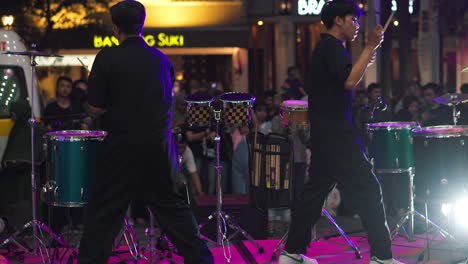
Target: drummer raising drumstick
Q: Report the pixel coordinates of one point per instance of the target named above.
(336, 155)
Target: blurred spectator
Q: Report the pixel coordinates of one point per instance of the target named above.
(373, 112)
(464, 107)
(435, 114)
(261, 118)
(64, 113)
(413, 89)
(80, 94)
(240, 174)
(179, 110)
(410, 111)
(269, 103)
(293, 86)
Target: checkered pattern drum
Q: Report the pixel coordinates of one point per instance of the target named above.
(199, 112)
(237, 108)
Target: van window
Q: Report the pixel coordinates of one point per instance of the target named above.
(12, 87)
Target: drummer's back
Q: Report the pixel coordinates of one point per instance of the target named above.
(139, 88)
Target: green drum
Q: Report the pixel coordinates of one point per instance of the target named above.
(391, 146)
(71, 163)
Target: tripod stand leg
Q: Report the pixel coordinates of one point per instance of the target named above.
(343, 234)
(281, 243)
(236, 227)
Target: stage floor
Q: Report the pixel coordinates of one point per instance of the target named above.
(333, 250)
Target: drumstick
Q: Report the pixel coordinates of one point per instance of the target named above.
(388, 21)
(82, 64)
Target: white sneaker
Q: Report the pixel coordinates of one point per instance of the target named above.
(286, 258)
(375, 260)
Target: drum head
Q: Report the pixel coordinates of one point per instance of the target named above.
(295, 105)
(440, 131)
(392, 125)
(234, 97)
(76, 135)
(199, 98)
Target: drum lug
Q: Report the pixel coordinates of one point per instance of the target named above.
(56, 192)
(397, 163)
(82, 149)
(462, 142)
(82, 193)
(426, 144)
(370, 135)
(397, 137)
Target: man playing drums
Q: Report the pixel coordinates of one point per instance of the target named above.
(336, 155)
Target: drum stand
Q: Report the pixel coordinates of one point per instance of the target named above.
(223, 220)
(129, 235)
(409, 216)
(36, 225)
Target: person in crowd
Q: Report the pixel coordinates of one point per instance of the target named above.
(293, 86)
(65, 113)
(464, 107)
(373, 112)
(261, 118)
(240, 174)
(410, 111)
(179, 110)
(414, 90)
(270, 105)
(336, 155)
(131, 86)
(80, 94)
(435, 114)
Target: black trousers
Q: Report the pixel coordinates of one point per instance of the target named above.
(142, 164)
(337, 157)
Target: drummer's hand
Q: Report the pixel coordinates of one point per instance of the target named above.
(376, 37)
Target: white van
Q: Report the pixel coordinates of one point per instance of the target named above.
(15, 82)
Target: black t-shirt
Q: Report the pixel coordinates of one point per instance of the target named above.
(133, 82)
(442, 115)
(60, 118)
(330, 67)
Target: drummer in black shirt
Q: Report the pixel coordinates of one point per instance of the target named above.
(131, 85)
(336, 154)
(64, 113)
(435, 114)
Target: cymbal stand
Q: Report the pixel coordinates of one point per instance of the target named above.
(34, 223)
(223, 220)
(129, 235)
(409, 216)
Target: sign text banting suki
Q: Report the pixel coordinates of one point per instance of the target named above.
(162, 40)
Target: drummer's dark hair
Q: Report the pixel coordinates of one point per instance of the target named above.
(434, 86)
(129, 16)
(338, 8)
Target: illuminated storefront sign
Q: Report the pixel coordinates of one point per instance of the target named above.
(159, 40)
(310, 7)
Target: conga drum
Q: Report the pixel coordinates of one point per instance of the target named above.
(294, 113)
(441, 161)
(72, 157)
(390, 146)
(199, 112)
(237, 108)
